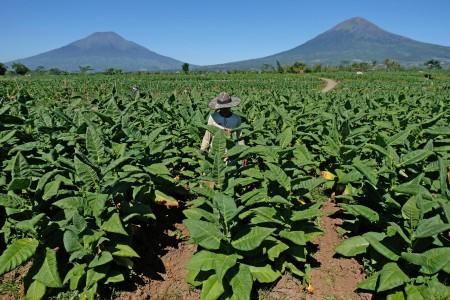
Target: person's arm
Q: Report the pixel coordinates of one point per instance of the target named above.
(207, 137)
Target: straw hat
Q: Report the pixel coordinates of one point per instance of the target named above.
(224, 100)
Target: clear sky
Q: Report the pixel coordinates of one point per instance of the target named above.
(208, 32)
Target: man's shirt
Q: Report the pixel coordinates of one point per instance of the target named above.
(219, 121)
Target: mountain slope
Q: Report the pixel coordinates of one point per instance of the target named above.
(102, 50)
(355, 39)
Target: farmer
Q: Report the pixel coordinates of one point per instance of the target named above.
(222, 118)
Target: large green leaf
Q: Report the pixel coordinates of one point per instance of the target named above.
(242, 283)
(17, 253)
(264, 274)
(375, 243)
(114, 225)
(204, 233)
(431, 261)
(352, 246)
(251, 239)
(361, 211)
(36, 291)
(277, 174)
(212, 288)
(86, 174)
(391, 276)
(94, 145)
(48, 274)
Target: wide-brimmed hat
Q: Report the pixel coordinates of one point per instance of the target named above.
(224, 100)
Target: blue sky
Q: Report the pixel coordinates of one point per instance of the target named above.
(208, 32)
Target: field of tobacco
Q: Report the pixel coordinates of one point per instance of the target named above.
(86, 167)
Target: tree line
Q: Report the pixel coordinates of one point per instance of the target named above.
(296, 68)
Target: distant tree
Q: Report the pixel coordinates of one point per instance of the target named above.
(267, 68)
(185, 68)
(39, 69)
(433, 64)
(85, 69)
(280, 69)
(3, 69)
(317, 68)
(391, 64)
(297, 67)
(56, 71)
(112, 71)
(374, 63)
(362, 66)
(20, 69)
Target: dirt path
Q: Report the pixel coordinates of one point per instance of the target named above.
(336, 276)
(330, 85)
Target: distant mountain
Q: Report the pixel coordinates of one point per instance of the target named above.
(353, 40)
(102, 50)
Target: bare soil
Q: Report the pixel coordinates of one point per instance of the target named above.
(11, 283)
(330, 84)
(166, 280)
(335, 277)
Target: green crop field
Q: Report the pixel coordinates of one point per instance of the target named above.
(87, 169)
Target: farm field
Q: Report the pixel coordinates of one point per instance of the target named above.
(343, 195)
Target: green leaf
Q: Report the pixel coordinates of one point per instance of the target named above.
(297, 237)
(352, 246)
(17, 253)
(414, 157)
(367, 171)
(398, 138)
(71, 241)
(285, 137)
(264, 274)
(114, 277)
(411, 212)
(86, 174)
(361, 210)
(212, 288)
(431, 261)
(306, 214)
(251, 239)
(123, 250)
(373, 239)
(74, 276)
(94, 145)
(114, 225)
(277, 174)
(275, 251)
(369, 284)
(36, 291)
(226, 206)
(18, 183)
(48, 273)
(51, 189)
(102, 259)
(204, 233)
(391, 276)
(443, 176)
(242, 283)
(158, 169)
(431, 227)
(413, 293)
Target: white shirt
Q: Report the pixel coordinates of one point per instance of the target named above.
(219, 121)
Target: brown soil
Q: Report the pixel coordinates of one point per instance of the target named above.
(336, 276)
(330, 84)
(169, 282)
(11, 283)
